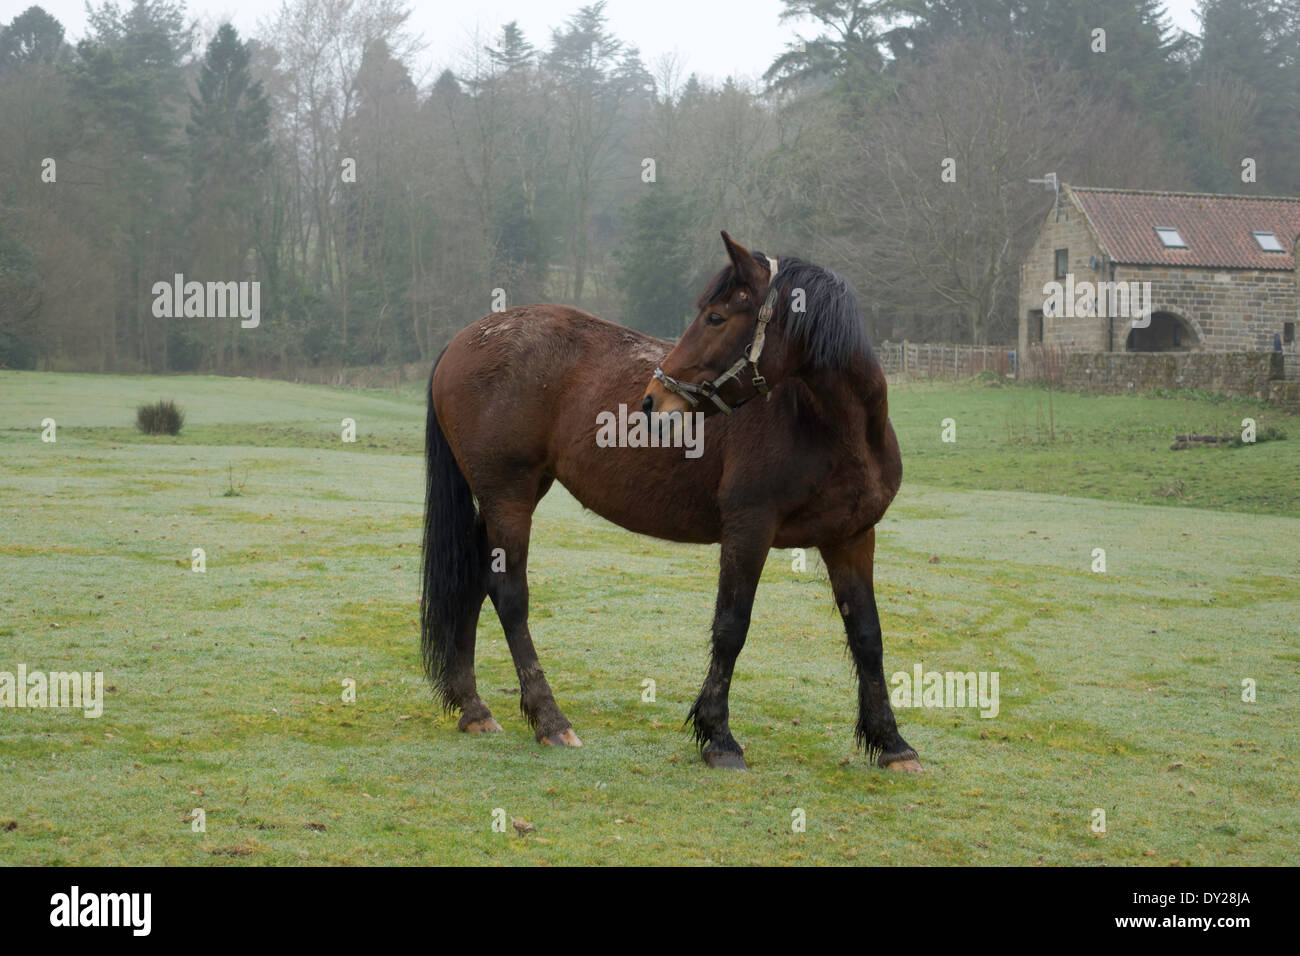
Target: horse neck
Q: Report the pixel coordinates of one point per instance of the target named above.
(856, 389)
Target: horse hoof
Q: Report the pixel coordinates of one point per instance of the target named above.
(725, 760)
(905, 765)
(487, 725)
(565, 738)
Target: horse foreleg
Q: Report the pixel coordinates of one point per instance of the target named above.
(851, 566)
(744, 551)
(508, 529)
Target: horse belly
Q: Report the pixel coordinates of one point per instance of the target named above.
(651, 491)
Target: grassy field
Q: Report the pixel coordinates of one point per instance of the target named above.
(1120, 691)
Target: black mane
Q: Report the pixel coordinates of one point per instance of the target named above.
(830, 330)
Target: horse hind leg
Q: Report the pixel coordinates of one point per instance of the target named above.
(851, 566)
(461, 681)
(509, 524)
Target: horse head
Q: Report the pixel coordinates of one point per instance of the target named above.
(731, 353)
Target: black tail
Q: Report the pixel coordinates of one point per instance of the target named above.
(454, 543)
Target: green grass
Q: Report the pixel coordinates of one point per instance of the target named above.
(1116, 447)
(1119, 691)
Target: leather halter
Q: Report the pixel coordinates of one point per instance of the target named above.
(710, 389)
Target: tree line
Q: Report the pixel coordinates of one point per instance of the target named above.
(893, 141)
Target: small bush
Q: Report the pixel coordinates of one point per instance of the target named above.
(233, 491)
(160, 418)
(1267, 433)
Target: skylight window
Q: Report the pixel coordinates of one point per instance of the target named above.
(1268, 242)
(1170, 238)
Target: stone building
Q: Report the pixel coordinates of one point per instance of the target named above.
(1221, 271)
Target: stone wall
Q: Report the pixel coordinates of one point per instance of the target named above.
(1066, 228)
(1286, 394)
(1242, 374)
(1237, 311)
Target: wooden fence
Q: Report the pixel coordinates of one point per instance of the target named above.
(1043, 363)
(938, 360)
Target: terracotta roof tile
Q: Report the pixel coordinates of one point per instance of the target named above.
(1217, 229)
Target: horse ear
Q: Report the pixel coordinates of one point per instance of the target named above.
(754, 272)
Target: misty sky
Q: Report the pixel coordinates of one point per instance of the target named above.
(714, 38)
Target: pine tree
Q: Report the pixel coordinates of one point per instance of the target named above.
(1257, 43)
(126, 81)
(515, 52)
(31, 37)
(229, 152)
(655, 263)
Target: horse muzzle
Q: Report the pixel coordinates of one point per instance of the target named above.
(660, 398)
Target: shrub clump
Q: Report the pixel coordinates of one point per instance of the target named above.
(160, 418)
(1267, 433)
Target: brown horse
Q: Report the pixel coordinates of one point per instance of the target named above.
(801, 455)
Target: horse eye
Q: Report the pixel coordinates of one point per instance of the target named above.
(715, 319)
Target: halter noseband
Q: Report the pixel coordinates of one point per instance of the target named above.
(711, 389)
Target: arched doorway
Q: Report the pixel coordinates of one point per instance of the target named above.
(1166, 333)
